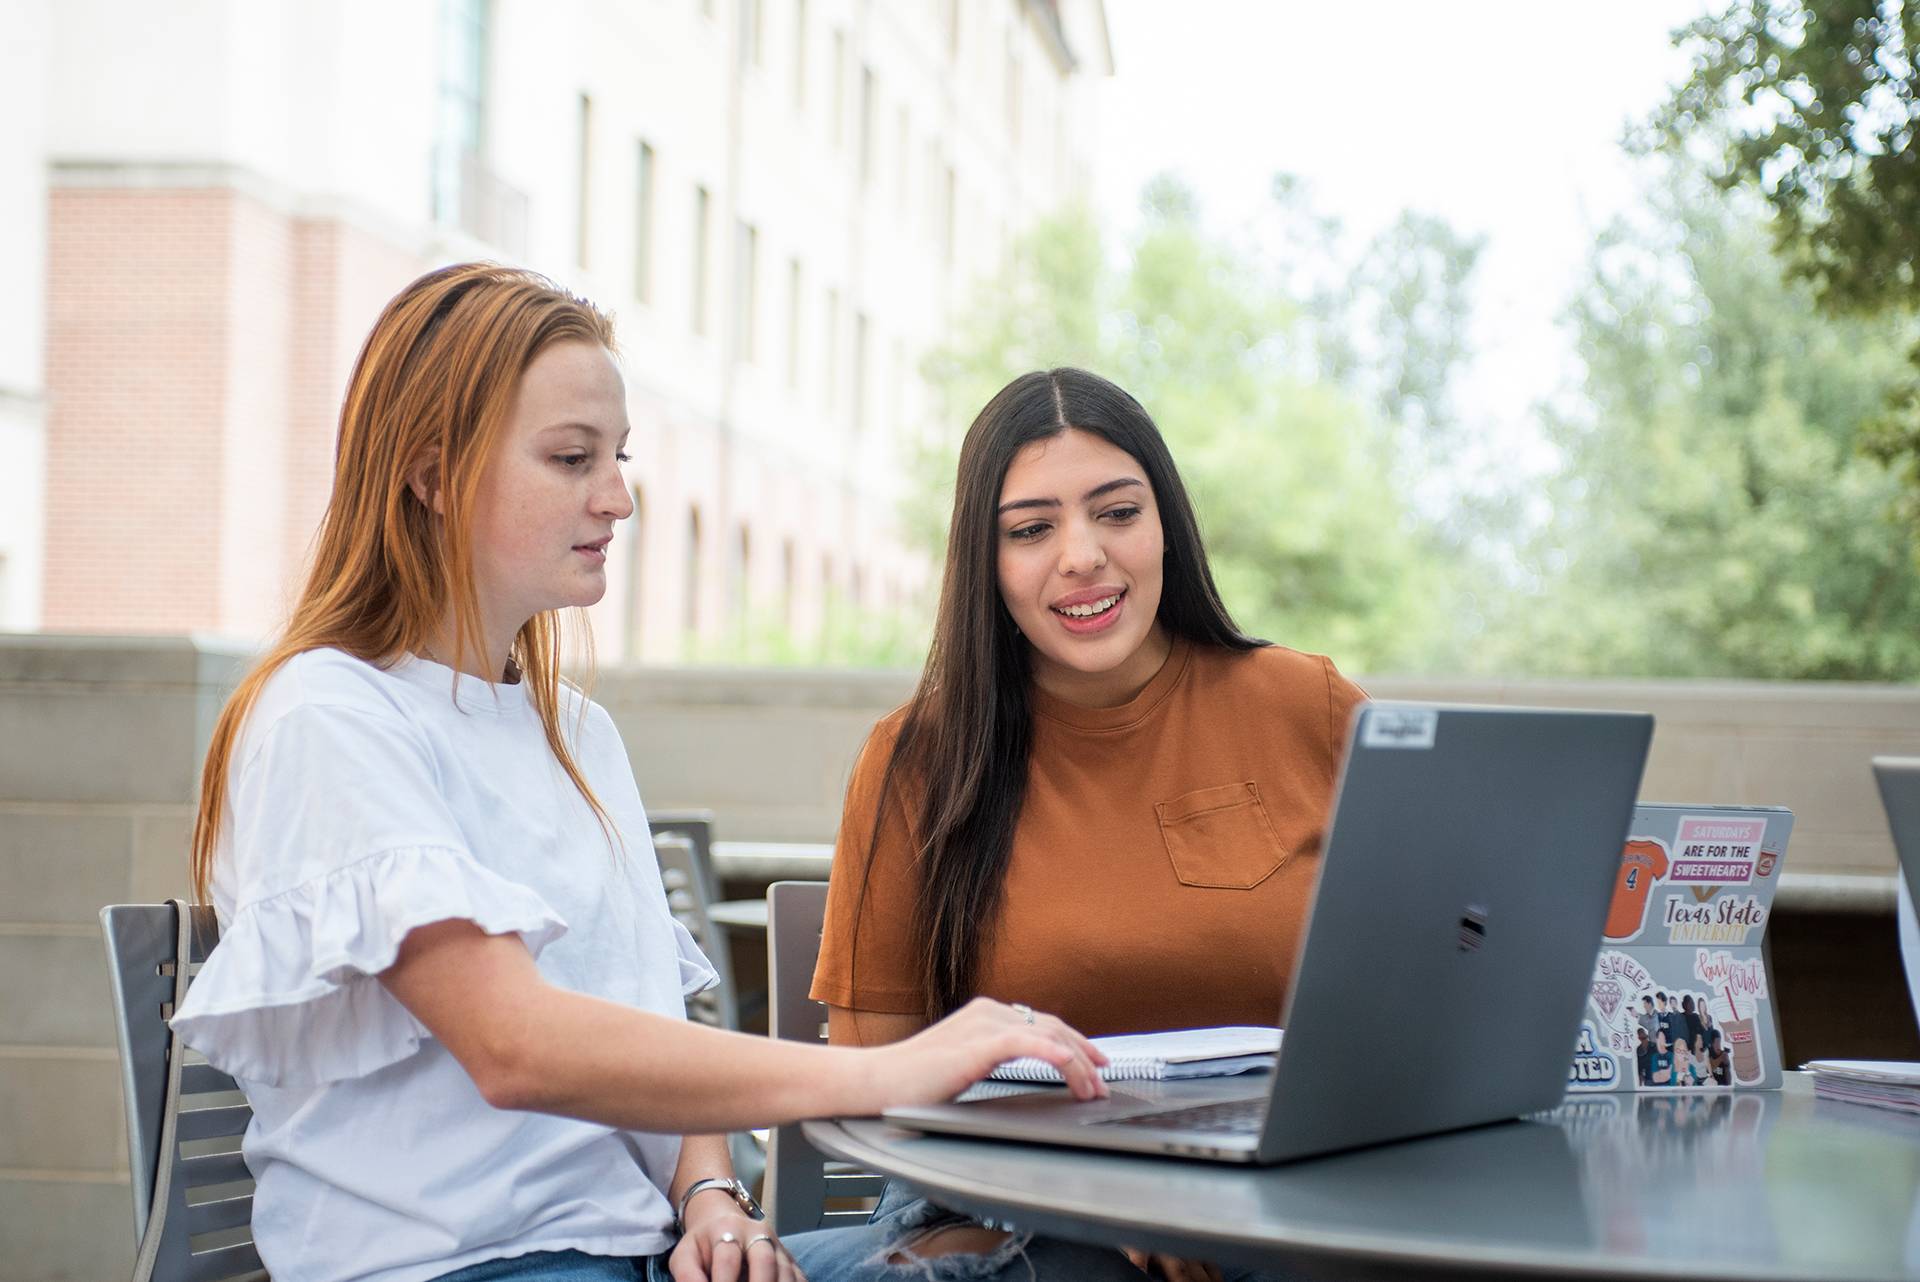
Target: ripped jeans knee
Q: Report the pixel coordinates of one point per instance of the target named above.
(885, 1249)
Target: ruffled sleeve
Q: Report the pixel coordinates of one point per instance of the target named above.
(291, 996)
(338, 842)
(696, 972)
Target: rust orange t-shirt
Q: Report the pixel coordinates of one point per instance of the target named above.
(1163, 863)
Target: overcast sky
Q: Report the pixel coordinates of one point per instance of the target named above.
(1503, 116)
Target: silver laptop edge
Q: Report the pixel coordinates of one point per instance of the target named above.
(1899, 781)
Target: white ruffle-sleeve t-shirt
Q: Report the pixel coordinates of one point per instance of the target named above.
(364, 802)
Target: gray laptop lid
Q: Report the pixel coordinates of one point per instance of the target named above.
(1461, 900)
(1468, 871)
(1899, 779)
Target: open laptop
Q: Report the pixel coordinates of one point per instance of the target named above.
(1899, 779)
(1463, 891)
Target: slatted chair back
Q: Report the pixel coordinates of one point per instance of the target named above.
(804, 1189)
(697, 827)
(207, 1204)
(688, 899)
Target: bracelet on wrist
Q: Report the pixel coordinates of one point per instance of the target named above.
(740, 1193)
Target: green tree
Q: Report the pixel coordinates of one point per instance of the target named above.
(1715, 516)
(1814, 105)
(1309, 537)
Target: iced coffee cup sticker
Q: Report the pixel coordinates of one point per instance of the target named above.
(1737, 985)
(1399, 728)
(1714, 850)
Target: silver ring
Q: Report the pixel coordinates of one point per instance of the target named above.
(756, 1238)
(727, 1237)
(1024, 1011)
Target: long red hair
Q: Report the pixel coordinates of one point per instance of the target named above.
(431, 388)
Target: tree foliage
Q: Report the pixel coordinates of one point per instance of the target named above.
(1813, 103)
(1715, 516)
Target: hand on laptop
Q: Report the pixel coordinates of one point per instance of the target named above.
(940, 1062)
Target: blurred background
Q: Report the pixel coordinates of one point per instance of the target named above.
(1493, 339)
(1514, 353)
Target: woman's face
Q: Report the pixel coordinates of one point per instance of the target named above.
(1080, 550)
(547, 503)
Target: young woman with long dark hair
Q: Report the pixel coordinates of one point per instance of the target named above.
(1104, 799)
(448, 980)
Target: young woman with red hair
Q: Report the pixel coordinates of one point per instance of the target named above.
(448, 980)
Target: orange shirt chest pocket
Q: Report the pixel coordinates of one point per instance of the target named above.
(1221, 837)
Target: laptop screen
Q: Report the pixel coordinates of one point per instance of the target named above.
(1899, 779)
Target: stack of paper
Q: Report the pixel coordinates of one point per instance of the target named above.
(1881, 1083)
(1187, 1052)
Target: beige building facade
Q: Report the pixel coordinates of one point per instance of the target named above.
(783, 202)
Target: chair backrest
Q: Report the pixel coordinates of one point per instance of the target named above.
(804, 1190)
(208, 1236)
(697, 827)
(687, 881)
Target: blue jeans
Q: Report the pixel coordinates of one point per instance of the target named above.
(867, 1253)
(563, 1266)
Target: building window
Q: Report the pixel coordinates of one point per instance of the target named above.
(905, 161)
(462, 103)
(746, 290)
(793, 323)
(636, 575)
(949, 216)
(839, 87)
(702, 207)
(1013, 92)
(832, 362)
(690, 606)
(585, 195)
(643, 225)
(799, 54)
(896, 389)
(868, 92)
(860, 366)
(747, 37)
(739, 579)
(789, 559)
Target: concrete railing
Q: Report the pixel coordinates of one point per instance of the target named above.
(101, 739)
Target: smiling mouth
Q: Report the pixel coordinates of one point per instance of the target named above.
(1090, 609)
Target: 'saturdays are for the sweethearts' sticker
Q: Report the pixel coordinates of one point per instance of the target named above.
(1717, 850)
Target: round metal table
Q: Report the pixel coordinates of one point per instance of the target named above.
(1749, 1185)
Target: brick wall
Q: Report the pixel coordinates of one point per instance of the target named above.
(198, 345)
(136, 392)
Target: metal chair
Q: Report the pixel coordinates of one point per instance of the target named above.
(192, 1193)
(687, 899)
(804, 1189)
(697, 827)
(683, 843)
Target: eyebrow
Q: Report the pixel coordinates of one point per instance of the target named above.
(1092, 494)
(588, 428)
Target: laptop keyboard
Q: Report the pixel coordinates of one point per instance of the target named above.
(1228, 1117)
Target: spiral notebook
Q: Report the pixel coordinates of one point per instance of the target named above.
(1185, 1052)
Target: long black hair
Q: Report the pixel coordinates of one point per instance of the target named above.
(964, 743)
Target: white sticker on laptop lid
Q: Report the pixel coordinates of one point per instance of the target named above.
(1399, 728)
